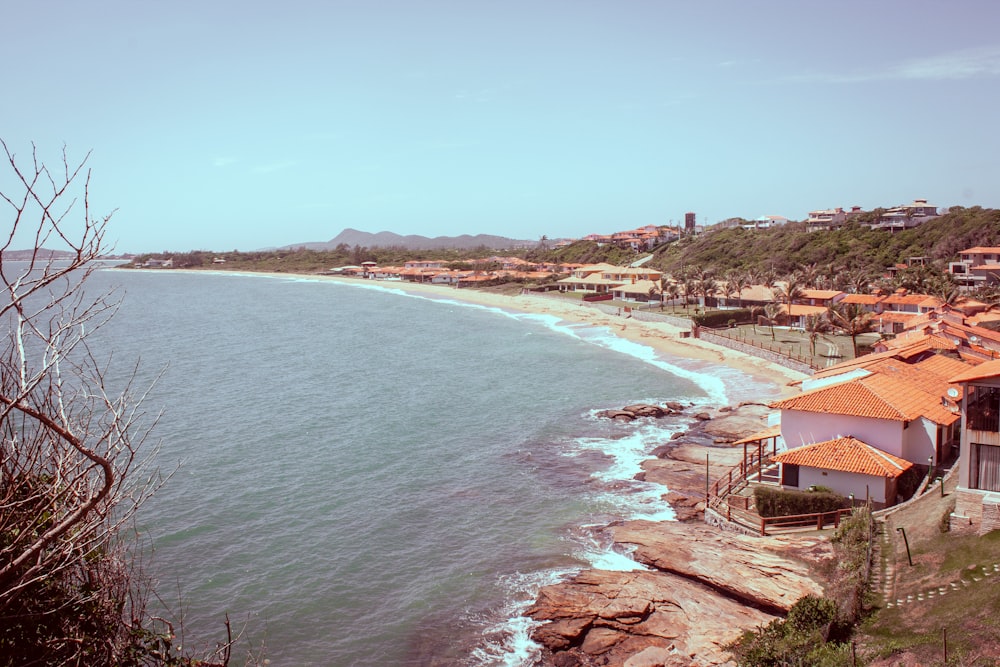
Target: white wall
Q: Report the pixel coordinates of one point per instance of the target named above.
(919, 441)
(804, 428)
(844, 483)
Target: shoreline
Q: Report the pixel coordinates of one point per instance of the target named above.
(663, 338)
(678, 467)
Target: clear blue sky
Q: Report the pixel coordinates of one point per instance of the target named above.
(224, 124)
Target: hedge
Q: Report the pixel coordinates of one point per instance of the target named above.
(721, 318)
(780, 502)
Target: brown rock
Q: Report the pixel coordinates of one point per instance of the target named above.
(599, 640)
(641, 610)
(750, 568)
(645, 410)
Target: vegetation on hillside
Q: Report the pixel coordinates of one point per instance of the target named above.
(848, 258)
(852, 248)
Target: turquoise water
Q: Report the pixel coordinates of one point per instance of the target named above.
(367, 477)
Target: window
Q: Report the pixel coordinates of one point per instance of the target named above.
(983, 411)
(984, 467)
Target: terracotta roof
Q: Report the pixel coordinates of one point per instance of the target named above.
(912, 299)
(980, 250)
(984, 371)
(796, 310)
(770, 432)
(846, 455)
(820, 293)
(878, 396)
(864, 299)
(895, 316)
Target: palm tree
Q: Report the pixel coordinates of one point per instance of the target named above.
(736, 282)
(816, 325)
(706, 285)
(789, 290)
(771, 311)
(852, 319)
(754, 312)
(810, 275)
(671, 289)
(689, 287)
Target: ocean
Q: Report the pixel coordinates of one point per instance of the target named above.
(361, 476)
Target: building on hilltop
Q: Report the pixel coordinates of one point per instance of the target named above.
(830, 219)
(906, 216)
(977, 267)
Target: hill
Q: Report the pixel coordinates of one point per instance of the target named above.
(851, 248)
(354, 237)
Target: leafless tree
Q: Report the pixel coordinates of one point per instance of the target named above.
(75, 464)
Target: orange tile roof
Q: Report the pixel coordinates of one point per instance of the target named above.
(820, 293)
(797, 310)
(877, 396)
(984, 371)
(846, 455)
(864, 299)
(895, 316)
(980, 250)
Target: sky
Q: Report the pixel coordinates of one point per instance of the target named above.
(222, 125)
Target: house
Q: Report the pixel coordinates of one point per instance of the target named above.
(977, 498)
(948, 327)
(900, 404)
(819, 297)
(604, 278)
(640, 290)
(828, 219)
(796, 315)
(870, 302)
(976, 267)
(906, 216)
(765, 222)
(900, 308)
(847, 465)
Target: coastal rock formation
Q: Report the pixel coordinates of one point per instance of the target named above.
(704, 586)
(639, 410)
(752, 569)
(601, 617)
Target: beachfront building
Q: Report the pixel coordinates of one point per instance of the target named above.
(846, 465)
(901, 404)
(605, 278)
(977, 498)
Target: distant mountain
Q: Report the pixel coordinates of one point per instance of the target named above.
(41, 254)
(354, 237)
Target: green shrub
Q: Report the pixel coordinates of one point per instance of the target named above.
(798, 640)
(722, 318)
(781, 502)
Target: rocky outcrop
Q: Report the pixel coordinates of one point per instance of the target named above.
(640, 410)
(703, 587)
(752, 569)
(601, 617)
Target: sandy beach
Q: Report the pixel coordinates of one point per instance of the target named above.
(662, 337)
